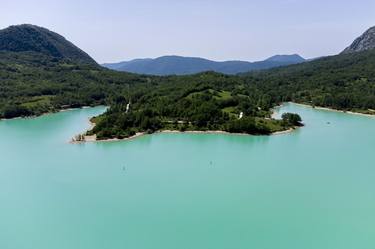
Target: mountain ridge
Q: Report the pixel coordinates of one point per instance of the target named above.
(179, 65)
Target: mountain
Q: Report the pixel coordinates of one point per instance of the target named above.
(178, 65)
(31, 38)
(362, 43)
(292, 59)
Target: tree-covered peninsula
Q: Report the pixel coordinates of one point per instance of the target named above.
(206, 101)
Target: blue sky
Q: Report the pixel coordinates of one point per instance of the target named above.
(115, 30)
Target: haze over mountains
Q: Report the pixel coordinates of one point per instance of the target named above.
(178, 65)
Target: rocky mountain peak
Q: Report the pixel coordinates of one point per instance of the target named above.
(362, 43)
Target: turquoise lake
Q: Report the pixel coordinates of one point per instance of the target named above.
(313, 188)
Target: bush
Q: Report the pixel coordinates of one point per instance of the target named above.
(247, 125)
(13, 111)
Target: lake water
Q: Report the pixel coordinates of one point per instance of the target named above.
(310, 189)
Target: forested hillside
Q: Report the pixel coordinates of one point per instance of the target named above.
(33, 83)
(345, 82)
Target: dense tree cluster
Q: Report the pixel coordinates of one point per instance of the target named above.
(292, 119)
(206, 101)
(247, 125)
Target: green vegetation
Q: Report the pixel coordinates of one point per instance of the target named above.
(33, 83)
(52, 74)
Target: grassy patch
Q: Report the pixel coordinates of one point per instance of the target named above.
(38, 101)
(218, 95)
(222, 95)
(232, 111)
(192, 95)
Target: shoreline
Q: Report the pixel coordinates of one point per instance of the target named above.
(81, 138)
(273, 111)
(334, 110)
(49, 113)
(93, 139)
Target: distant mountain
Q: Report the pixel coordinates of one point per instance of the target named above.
(177, 65)
(362, 43)
(31, 38)
(292, 59)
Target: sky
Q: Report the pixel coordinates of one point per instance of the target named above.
(251, 30)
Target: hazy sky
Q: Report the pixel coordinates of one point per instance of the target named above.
(114, 30)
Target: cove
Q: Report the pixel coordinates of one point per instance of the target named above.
(313, 188)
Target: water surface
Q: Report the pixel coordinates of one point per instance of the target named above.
(311, 189)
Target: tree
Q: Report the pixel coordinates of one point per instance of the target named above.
(292, 119)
